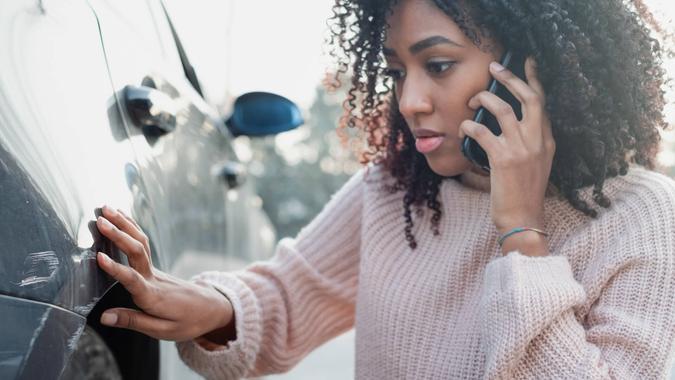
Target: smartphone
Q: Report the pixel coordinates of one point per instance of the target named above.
(470, 147)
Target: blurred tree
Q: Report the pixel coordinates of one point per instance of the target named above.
(296, 179)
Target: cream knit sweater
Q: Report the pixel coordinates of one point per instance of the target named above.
(601, 306)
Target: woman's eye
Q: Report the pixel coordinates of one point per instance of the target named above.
(394, 74)
(439, 66)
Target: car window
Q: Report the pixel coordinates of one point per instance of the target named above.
(204, 29)
(188, 69)
(148, 22)
(145, 22)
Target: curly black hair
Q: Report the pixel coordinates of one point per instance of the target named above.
(599, 65)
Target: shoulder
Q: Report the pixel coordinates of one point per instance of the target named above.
(380, 190)
(639, 223)
(634, 233)
(369, 178)
(376, 173)
(643, 194)
(372, 177)
(640, 217)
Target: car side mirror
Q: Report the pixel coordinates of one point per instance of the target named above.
(262, 114)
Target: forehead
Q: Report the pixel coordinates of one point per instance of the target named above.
(413, 20)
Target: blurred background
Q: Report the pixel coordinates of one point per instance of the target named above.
(282, 51)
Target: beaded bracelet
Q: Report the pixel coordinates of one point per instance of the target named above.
(519, 229)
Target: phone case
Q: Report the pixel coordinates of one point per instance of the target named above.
(470, 147)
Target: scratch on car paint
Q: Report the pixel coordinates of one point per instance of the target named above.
(72, 341)
(86, 309)
(40, 267)
(43, 321)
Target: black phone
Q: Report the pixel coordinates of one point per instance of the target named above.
(470, 147)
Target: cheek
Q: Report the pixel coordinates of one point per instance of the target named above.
(453, 103)
(454, 95)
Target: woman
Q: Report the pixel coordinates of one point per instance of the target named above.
(558, 264)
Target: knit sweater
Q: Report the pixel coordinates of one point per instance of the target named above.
(600, 306)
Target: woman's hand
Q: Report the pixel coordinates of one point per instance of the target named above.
(172, 309)
(522, 156)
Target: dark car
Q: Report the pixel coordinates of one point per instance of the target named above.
(99, 104)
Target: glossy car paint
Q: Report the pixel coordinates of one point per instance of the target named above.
(68, 145)
(57, 117)
(37, 338)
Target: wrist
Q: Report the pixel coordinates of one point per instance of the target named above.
(224, 328)
(505, 227)
(225, 309)
(529, 243)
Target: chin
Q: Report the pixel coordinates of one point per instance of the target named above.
(448, 166)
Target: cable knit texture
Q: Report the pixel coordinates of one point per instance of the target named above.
(600, 306)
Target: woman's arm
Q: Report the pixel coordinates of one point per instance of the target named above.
(286, 306)
(258, 320)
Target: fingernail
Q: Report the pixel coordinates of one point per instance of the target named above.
(109, 319)
(105, 222)
(110, 210)
(497, 67)
(104, 256)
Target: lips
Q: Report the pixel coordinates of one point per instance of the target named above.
(422, 132)
(427, 140)
(428, 144)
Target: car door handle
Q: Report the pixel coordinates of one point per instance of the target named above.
(150, 109)
(233, 173)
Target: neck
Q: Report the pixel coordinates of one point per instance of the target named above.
(477, 179)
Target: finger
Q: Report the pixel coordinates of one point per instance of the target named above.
(130, 219)
(138, 321)
(483, 136)
(145, 240)
(134, 249)
(127, 225)
(533, 78)
(128, 277)
(530, 100)
(508, 122)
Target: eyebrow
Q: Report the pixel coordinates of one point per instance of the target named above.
(424, 44)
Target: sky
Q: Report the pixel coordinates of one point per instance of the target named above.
(250, 45)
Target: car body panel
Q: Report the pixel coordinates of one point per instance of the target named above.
(56, 119)
(67, 146)
(37, 338)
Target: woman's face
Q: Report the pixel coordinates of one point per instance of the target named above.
(436, 69)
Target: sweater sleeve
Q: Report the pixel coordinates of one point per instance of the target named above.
(530, 330)
(288, 305)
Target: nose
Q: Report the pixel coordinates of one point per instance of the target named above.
(414, 99)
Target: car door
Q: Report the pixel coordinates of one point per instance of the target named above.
(195, 183)
(63, 153)
(189, 167)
